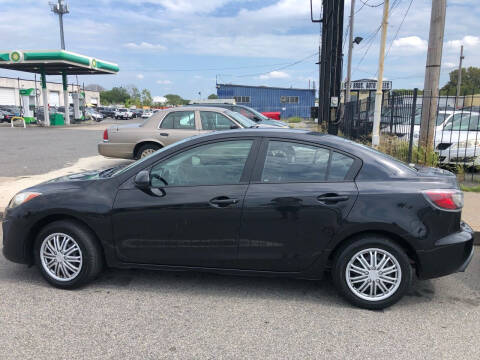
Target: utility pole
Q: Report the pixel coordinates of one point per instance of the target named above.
(60, 9)
(459, 79)
(432, 74)
(378, 95)
(350, 49)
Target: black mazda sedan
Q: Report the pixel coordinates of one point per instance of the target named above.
(257, 202)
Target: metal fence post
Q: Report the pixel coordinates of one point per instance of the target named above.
(412, 124)
(392, 111)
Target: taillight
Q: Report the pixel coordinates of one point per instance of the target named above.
(445, 199)
(105, 135)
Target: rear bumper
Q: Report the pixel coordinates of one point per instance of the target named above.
(116, 150)
(451, 254)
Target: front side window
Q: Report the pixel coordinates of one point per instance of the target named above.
(463, 122)
(179, 120)
(215, 121)
(292, 162)
(219, 163)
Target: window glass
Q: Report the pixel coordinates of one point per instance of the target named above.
(244, 121)
(215, 121)
(339, 167)
(463, 122)
(242, 99)
(179, 120)
(244, 112)
(219, 163)
(292, 162)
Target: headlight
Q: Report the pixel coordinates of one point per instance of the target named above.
(466, 144)
(22, 198)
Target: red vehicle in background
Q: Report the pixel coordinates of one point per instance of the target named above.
(275, 115)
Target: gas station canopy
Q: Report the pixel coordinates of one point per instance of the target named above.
(55, 62)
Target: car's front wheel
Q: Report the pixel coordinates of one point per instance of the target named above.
(372, 272)
(67, 254)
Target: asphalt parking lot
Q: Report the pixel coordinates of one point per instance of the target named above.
(138, 314)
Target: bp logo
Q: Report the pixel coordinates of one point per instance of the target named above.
(15, 56)
(94, 63)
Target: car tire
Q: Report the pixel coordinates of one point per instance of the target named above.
(362, 282)
(146, 149)
(78, 262)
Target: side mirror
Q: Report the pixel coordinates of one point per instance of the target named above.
(256, 119)
(142, 180)
(234, 127)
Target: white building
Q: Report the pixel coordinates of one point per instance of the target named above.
(9, 92)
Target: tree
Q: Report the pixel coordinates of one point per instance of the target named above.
(118, 95)
(147, 99)
(213, 96)
(470, 82)
(175, 100)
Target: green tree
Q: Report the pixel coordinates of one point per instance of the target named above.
(213, 96)
(470, 82)
(118, 95)
(146, 96)
(175, 100)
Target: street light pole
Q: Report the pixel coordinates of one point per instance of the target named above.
(459, 79)
(350, 49)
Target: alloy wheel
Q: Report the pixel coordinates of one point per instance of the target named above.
(373, 274)
(61, 257)
(147, 152)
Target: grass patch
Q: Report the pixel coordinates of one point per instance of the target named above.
(294, 119)
(475, 188)
(398, 149)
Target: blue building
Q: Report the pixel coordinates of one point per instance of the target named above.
(288, 101)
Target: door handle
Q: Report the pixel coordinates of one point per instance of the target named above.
(223, 201)
(163, 134)
(332, 198)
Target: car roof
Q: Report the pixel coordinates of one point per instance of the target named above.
(196, 107)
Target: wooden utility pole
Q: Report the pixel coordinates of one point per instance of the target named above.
(350, 49)
(378, 95)
(459, 78)
(432, 74)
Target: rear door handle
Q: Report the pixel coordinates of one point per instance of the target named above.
(163, 134)
(332, 198)
(223, 201)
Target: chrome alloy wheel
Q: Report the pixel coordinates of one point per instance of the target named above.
(147, 152)
(61, 257)
(373, 274)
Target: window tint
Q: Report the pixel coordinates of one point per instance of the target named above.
(292, 162)
(339, 167)
(244, 112)
(215, 121)
(179, 120)
(212, 164)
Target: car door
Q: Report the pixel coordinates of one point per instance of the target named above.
(195, 219)
(177, 125)
(298, 199)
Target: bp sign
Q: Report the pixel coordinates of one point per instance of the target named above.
(15, 56)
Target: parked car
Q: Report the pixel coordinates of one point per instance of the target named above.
(123, 113)
(107, 112)
(134, 141)
(257, 202)
(146, 114)
(136, 112)
(93, 114)
(275, 115)
(61, 109)
(459, 141)
(248, 112)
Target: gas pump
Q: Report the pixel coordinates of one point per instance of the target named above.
(76, 106)
(28, 104)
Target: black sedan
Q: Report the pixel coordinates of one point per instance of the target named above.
(257, 202)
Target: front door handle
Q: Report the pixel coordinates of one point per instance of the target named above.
(332, 198)
(163, 134)
(223, 201)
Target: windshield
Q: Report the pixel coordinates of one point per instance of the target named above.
(245, 122)
(464, 122)
(258, 114)
(122, 110)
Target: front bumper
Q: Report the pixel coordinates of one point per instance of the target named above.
(15, 240)
(450, 254)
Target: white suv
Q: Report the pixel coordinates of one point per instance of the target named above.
(123, 113)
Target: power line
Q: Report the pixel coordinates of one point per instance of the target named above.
(365, 3)
(207, 69)
(399, 27)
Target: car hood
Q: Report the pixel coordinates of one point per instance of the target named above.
(83, 176)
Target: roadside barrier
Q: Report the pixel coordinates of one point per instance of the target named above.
(18, 118)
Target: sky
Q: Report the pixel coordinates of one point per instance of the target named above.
(185, 46)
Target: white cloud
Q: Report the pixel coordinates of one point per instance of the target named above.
(449, 65)
(468, 41)
(140, 76)
(144, 46)
(164, 82)
(409, 45)
(275, 75)
(160, 99)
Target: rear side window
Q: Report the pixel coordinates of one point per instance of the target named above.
(215, 121)
(287, 162)
(179, 120)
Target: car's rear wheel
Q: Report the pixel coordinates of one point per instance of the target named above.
(146, 150)
(67, 254)
(372, 272)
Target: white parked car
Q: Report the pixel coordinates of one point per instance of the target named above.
(93, 114)
(459, 140)
(123, 113)
(146, 114)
